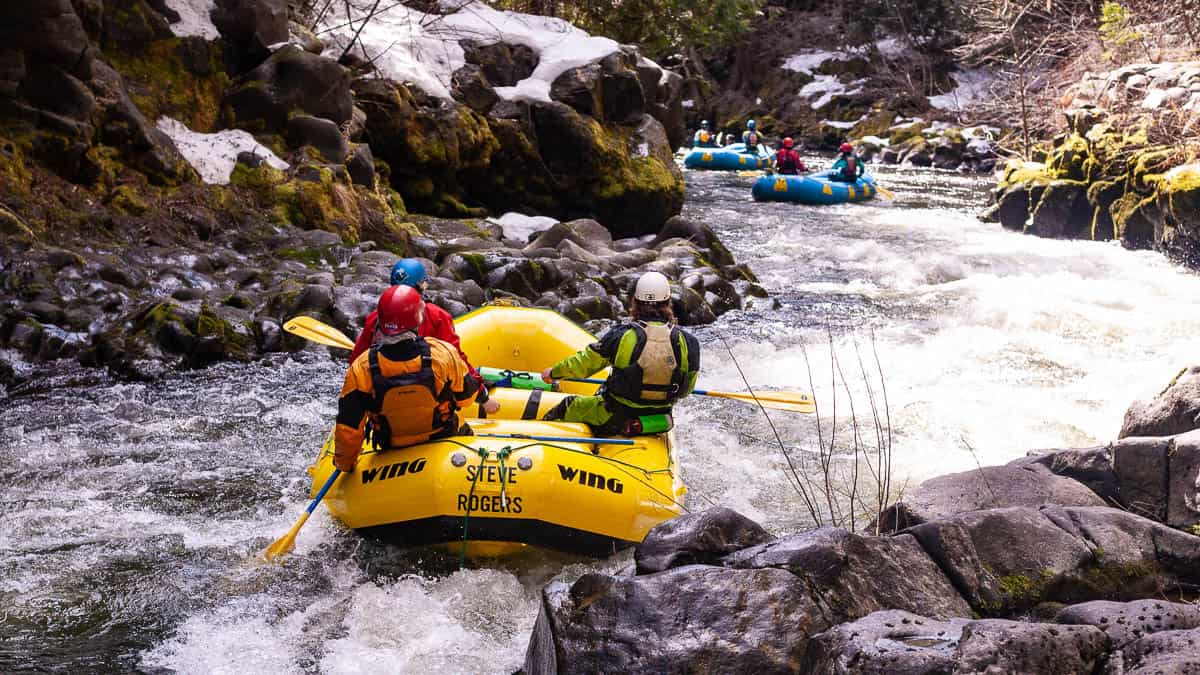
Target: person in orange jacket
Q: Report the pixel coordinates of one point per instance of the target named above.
(437, 323)
(409, 387)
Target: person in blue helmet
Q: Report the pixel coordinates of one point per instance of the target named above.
(704, 138)
(435, 322)
(751, 139)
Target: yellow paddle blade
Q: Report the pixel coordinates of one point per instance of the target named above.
(774, 400)
(322, 333)
(286, 543)
(885, 192)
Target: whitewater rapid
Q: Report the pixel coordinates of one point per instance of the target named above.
(131, 513)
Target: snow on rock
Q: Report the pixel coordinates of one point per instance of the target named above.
(214, 155)
(520, 226)
(193, 19)
(423, 49)
(841, 125)
(809, 60)
(972, 85)
(825, 87)
(688, 103)
(875, 140)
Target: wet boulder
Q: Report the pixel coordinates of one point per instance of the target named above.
(984, 488)
(889, 642)
(852, 575)
(702, 537)
(1175, 410)
(588, 234)
(1063, 211)
(252, 26)
(1125, 622)
(1091, 466)
(291, 80)
(48, 31)
(321, 134)
(501, 64)
(1172, 652)
(729, 620)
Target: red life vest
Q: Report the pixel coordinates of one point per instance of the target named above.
(787, 160)
(851, 169)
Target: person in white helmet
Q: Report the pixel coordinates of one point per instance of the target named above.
(654, 364)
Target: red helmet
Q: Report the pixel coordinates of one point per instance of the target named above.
(846, 147)
(788, 142)
(400, 308)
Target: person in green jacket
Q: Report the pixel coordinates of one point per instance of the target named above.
(849, 166)
(654, 364)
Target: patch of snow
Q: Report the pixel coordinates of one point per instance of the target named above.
(423, 49)
(688, 103)
(840, 125)
(520, 226)
(808, 60)
(758, 101)
(214, 155)
(972, 85)
(826, 87)
(905, 123)
(875, 140)
(891, 47)
(982, 131)
(193, 19)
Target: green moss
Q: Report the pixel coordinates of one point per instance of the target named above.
(12, 225)
(15, 178)
(908, 132)
(476, 261)
(1068, 159)
(1023, 589)
(1017, 172)
(125, 199)
(309, 256)
(161, 83)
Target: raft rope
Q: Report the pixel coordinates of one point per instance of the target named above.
(501, 454)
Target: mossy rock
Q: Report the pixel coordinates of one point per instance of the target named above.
(127, 200)
(1062, 212)
(1181, 189)
(12, 225)
(1068, 160)
(1149, 167)
(173, 78)
(1137, 221)
(1017, 172)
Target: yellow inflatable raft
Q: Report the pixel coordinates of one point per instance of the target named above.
(503, 494)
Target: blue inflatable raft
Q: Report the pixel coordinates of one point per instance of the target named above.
(816, 188)
(729, 158)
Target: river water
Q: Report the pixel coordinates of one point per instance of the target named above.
(131, 514)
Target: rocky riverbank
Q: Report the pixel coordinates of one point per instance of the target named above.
(174, 184)
(1130, 175)
(1068, 561)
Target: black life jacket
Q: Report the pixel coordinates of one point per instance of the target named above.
(401, 401)
(654, 375)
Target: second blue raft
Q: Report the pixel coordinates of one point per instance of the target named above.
(729, 158)
(816, 188)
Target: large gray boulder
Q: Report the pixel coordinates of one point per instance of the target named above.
(290, 81)
(699, 537)
(1011, 559)
(891, 642)
(1174, 411)
(853, 575)
(1125, 622)
(694, 617)
(1031, 485)
(252, 26)
(903, 643)
(1172, 652)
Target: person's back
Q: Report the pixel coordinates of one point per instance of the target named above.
(654, 364)
(410, 388)
(787, 160)
(849, 166)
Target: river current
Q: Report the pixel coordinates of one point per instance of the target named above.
(131, 514)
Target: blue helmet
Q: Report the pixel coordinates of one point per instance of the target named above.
(750, 124)
(409, 272)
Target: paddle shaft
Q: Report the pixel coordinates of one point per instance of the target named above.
(325, 488)
(562, 439)
(590, 380)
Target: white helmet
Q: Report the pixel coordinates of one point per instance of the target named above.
(652, 287)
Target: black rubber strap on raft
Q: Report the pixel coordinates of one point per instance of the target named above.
(532, 405)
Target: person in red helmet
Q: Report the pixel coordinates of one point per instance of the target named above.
(437, 323)
(787, 160)
(849, 166)
(409, 387)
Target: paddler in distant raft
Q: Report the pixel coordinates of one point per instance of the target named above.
(436, 322)
(787, 160)
(654, 364)
(751, 139)
(849, 166)
(409, 387)
(704, 138)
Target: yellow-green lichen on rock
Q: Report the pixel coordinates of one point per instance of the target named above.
(1069, 158)
(161, 82)
(1181, 188)
(1017, 172)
